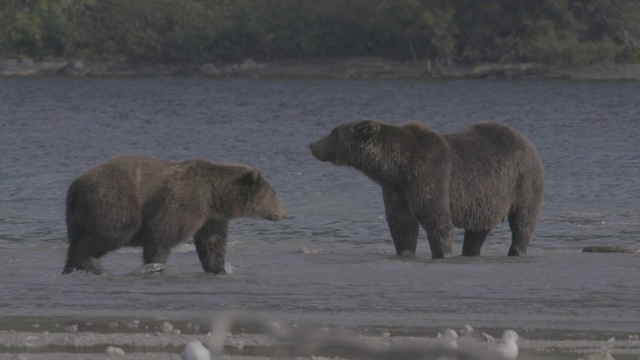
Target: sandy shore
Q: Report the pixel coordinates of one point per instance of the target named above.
(333, 68)
(265, 339)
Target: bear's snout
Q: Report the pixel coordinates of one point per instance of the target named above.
(277, 217)
(274, 209)
(280, 213)
(312, 146)
(322, 150)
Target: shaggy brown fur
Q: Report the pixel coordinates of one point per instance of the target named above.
(157, 204)
(472, 179)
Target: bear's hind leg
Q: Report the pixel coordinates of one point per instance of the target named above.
(155, 253)
(211, 241)
(85, 248)
(403, 225)
(85, 264)
(83, 255)
(473, 241)
(522, 221)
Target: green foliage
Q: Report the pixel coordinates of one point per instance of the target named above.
(575, 32)
(151, 30)
(41, 28)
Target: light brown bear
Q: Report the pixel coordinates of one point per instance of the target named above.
(472, 179)
(157, 204)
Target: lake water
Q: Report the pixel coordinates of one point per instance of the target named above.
(587, 133)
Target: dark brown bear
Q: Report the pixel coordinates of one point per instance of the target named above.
(471, 179)
(157, 204)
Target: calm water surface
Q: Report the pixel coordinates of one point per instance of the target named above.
(587, 133)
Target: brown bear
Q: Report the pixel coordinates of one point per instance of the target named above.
(472, 179)
(157, 204)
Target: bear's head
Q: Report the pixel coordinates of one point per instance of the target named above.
(261, 199)
(347, 143)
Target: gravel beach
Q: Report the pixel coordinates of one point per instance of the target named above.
(156, 339)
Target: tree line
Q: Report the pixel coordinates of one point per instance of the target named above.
(571, 32)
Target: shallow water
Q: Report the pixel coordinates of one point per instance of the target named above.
(587, 133)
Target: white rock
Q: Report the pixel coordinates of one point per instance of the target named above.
(166, 327)
(603, 356)
(507, 348)
(447, 342)
(114, 351)
(195, 351)
(448, 339)
(466, 330)
(488, 338)
(304, 250)
(274, 325)
(71, 328)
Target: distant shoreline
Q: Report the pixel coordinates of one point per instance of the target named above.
(332, 68)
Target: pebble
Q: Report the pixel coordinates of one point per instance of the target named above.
(166, 327)
(19, 357)
(112, 325)
(603, 356)
(71, 328)
(238, 344)
(466, 330)
(114, 351)
(274, 325)
(448, 339)
(195, 351)
(507, 347)
(488, 338)
(133, 324)
(304, 250)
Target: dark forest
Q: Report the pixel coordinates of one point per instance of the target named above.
(555, 32)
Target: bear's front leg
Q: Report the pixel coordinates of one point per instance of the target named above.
(435, 218)
(211, 241)
(439, 234)
(403, 226)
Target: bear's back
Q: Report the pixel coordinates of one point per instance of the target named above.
(138, 174)
(486, 137)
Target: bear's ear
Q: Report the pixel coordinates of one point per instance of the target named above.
(250, 177)
(366, 128)
(255, 175)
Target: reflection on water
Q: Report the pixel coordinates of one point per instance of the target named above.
(51, 130)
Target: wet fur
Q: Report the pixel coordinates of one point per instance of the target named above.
(157, 204)
(471, 179)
